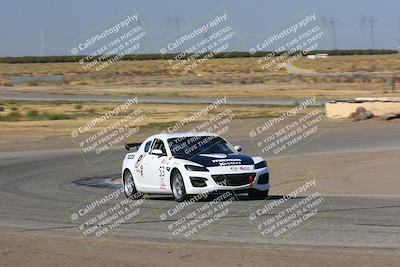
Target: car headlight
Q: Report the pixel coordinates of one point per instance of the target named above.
(261, 164)
(196, 168)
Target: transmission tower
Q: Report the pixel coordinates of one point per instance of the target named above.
(168, 19)
(369, 22)
(331, 23)
(140, 22)
(177, 21)
(174, 21)
(398, 46)
(42, 47)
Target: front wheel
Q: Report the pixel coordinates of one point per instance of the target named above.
(178, 187)
(129, 186)
(256, 194)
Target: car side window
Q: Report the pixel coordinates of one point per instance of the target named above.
(159, 144)
(147, 146)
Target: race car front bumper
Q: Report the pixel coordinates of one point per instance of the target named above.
(227, 178)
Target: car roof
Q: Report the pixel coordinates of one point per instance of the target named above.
(165, 136)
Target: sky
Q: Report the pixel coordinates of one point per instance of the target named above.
(52, 27)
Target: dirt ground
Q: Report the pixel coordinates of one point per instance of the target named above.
(23, 249)
(335, 77)
(237, 88)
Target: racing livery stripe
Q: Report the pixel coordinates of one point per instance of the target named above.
(229, 160)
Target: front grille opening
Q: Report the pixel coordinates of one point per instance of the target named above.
(234, 179)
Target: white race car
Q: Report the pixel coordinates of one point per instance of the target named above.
(184, 164)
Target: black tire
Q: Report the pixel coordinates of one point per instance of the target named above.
(129, 186)
(256, 194)
(178, 187)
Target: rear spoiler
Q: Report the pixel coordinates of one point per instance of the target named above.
(136, 145)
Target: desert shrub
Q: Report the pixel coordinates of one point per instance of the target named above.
(33, 113)
(33, 83)
(4, 82)
(12, 116)
(56, 116)
(91, 111)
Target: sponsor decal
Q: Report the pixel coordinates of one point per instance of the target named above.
(225, 162)
(167, 160)
(162, 177)
(138, 163)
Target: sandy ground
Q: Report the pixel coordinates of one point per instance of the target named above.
(22, 249)
(361, 173)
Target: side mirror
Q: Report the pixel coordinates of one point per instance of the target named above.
(157, 152)
(238, 148)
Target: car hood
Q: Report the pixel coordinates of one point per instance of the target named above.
(214, 160)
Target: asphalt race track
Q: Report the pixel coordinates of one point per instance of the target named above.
(39, 189)
(148, 99)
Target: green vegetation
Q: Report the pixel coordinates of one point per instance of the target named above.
(33, 115)
(233, 54)
(91, 111)
(56, 116)
(11, 116)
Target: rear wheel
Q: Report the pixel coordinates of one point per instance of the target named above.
(178, 187)
(256, 194)
(129, 186)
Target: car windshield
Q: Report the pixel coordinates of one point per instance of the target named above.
(194, 145)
